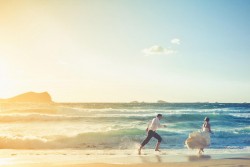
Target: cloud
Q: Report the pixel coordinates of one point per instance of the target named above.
(176, 41)
(156, 49)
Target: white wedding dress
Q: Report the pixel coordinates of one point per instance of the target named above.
(199, 139)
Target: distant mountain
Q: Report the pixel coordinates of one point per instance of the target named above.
(161, 101)
(30, 97)
(135, 102)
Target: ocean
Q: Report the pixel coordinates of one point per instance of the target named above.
(119, 126)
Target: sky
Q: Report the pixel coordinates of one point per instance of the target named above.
(126, 50)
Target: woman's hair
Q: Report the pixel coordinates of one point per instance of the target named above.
(206, 119)
(159, 115)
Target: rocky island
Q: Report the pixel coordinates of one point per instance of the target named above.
(29, 97)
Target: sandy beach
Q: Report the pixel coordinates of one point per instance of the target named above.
(233, 162)
(119, 158)
(241, 162)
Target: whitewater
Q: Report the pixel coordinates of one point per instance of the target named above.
(119, 126)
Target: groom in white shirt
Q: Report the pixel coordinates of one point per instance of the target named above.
(151, 129)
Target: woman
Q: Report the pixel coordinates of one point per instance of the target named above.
(200, 140)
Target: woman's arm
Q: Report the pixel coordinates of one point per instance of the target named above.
(209, 128)
(203, 126)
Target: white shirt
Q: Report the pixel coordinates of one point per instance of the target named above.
(154, 124)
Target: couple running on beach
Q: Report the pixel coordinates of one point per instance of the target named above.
(196, 140)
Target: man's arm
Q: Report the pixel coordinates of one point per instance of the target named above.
(162, 126)
(149, 123)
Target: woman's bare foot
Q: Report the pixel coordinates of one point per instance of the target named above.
(139, 151)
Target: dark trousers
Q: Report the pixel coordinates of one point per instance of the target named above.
(150, 135)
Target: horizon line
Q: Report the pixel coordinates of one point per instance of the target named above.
(138, 102)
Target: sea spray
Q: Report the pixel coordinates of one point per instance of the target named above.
(119, 125)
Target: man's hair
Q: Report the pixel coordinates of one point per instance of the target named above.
(159, 115)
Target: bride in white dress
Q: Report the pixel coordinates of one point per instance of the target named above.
(200, 140)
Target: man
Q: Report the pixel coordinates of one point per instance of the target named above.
(151, 129)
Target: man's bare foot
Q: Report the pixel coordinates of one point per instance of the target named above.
(139, 151)
(200, 152)
(158, 150)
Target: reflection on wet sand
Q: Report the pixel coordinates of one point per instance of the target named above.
(198, 157)
(155, 159)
